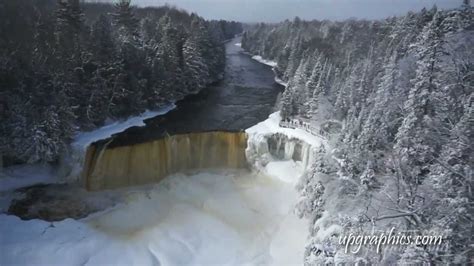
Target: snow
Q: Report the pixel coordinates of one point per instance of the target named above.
(19, 176)
(84, 139)
(289, 156)
(272, 126)
(264, 61)
(238, 44)
(213, 218)
(281, 82)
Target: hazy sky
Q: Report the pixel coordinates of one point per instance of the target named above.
(278, 10)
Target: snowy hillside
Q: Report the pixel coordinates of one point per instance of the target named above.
(394, 98)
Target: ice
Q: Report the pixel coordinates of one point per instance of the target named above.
(263, 158)
(213, 218)
(264, 61)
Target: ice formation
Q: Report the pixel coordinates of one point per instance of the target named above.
(285, 152)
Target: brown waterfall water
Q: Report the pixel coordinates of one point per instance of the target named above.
(150, 162)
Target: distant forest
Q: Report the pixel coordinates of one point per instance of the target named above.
(395, 98)
(67, 66)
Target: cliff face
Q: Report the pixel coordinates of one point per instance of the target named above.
(150, 162)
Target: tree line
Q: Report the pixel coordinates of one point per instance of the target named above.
(395, 97)
(67, 66)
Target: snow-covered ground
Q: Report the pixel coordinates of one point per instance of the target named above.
(25, 175)
(14, 177)
(213, 218)
(272, 126)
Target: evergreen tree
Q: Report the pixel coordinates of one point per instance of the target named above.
(194, 52)
(102, 40)
(125, 20)
(416, 144)
(69, 29)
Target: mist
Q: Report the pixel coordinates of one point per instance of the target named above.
(279, 10)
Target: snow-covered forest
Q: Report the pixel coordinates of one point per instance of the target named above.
(394, 97)
(153, 136)
(67, 66)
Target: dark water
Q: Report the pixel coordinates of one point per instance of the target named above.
(245, 96)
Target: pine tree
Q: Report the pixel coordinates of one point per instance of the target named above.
(318, 92)
(294, 59)
(415, 144)
(69, 28)
(287, 105)
(312, 190)
(315, 75)
(102, 41)
(170, 57)
(194, 52)
(378, 129)
(125, 20)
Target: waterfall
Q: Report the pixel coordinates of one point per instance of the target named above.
(150, 162)
(265, 148)
(144, 163)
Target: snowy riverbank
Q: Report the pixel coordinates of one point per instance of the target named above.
(84, 139)
(26, 175)
(272, 64)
